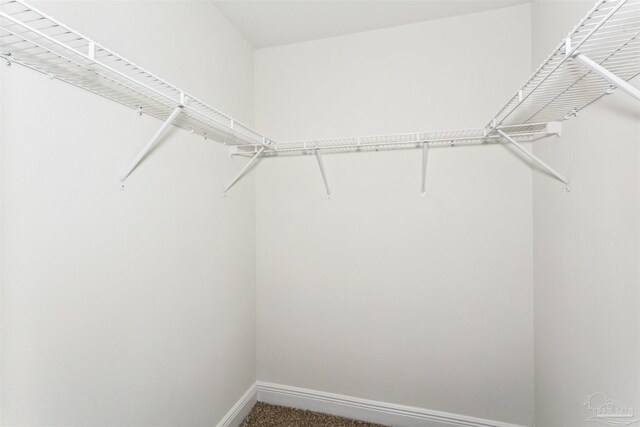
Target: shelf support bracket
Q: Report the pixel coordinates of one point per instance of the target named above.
(537, 160)
(425, 157)
(141, 155)
(608, 75)
(244, 169)
(324, 175)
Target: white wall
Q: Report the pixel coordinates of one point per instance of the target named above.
(587, 248)
(136, 307)
(379, 293)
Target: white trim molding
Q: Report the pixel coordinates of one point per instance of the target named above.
(241, 409)
(366, 410)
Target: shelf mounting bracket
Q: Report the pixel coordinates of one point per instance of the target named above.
(537, 160)
(425, 157)
(145, 150)
(244, 169)
(324, 175)
(608, 75)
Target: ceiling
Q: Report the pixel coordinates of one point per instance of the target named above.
(266, 23)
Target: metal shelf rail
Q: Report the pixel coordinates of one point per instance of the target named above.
(600, 55)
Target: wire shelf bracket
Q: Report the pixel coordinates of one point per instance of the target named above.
(425, 157)
(152, 142)
(324, 175)
(244, 170)
(536, 159)
(616, 81)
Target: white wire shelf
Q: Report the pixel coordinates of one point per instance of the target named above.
(561, 86)
(521, 133)
(564, 84)
(30, 38)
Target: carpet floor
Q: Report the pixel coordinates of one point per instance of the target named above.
(265, 415)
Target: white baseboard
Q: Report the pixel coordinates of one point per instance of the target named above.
(366, 410)
(241, 409)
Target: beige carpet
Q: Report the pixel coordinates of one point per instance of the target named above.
(265, 415)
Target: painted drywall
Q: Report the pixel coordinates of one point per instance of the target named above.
(379, 293)
(586, 248)
(135, 307)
